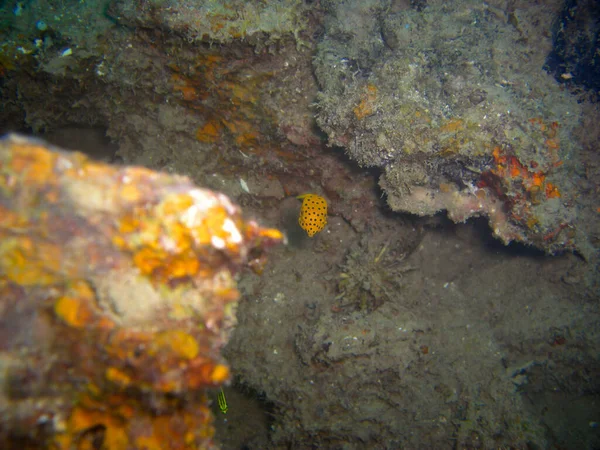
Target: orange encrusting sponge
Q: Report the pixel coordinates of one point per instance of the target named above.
(313, 213)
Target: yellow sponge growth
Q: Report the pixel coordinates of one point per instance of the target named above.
(313, 213)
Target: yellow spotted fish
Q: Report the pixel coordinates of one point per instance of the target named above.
(313, 213)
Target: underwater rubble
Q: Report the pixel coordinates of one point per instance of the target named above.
(117, 294)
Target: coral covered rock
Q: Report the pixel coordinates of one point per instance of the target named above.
(215, 20)
(454, 125)
(117, 293)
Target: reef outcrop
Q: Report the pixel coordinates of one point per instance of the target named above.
(436, 102)
(117, 293)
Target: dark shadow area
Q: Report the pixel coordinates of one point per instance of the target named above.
(482, 229)
(575, 57)
(14, 126)
(89, 140)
